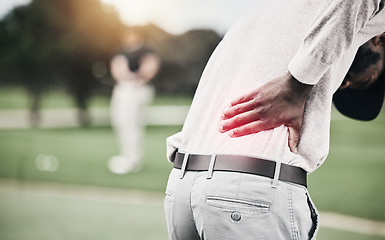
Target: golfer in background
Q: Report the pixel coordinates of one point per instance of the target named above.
(132, 69)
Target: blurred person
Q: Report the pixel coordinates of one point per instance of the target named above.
(243, 155)
(132, 69)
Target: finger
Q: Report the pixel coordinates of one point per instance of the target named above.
(237, 109)
(251, 128)
(294, 135)
(237, 121)
(245, 98)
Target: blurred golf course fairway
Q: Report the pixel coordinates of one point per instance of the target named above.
(81, 199)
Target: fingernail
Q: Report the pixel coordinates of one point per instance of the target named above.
(296, 150)
(221, 129)
(223, 116)
(232, 134)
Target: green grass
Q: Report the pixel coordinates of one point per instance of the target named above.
(83, 156)
(351, 181)
(40, 217)
(333, 234)
(12, 97)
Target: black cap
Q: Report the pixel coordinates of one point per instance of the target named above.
(364, 105)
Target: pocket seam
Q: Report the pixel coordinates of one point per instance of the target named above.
(232, 203)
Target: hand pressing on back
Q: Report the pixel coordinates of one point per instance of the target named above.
(279, 102)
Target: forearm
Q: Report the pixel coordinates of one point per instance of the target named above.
(331, 35)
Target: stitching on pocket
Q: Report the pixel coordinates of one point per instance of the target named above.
(239, 204)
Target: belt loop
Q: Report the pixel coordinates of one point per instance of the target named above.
(277, 171)
(184, 164)
(211, 166)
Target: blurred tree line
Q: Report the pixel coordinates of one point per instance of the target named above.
(52, 44)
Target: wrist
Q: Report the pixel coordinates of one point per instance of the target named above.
(297, 88)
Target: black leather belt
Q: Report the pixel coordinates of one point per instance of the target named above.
(243, 164)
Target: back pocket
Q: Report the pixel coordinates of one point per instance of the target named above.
(238, 204)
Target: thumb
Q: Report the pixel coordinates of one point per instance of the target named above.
(294, 138)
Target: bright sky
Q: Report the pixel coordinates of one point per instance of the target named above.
(175, 16)
(7, 5)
